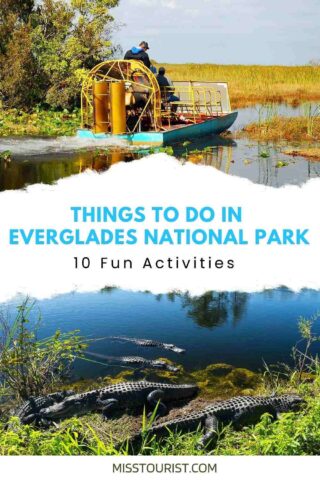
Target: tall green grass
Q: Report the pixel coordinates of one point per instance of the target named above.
(293, 434)
(251, 84)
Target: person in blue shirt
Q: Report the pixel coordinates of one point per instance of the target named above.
(139, 53)
(165, 84)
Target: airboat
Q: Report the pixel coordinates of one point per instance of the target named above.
(122, 99)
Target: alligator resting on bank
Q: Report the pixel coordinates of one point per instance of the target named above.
(138, 361)
(26, 413)
(112, 398)
(239, 411)
(144, 342)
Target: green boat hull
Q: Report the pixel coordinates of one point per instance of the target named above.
(175, 135)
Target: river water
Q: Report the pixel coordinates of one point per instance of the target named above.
(236, 328)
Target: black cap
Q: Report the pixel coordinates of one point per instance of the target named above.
(162, 70)
(144, 45)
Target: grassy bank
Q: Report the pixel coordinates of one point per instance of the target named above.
(293, 434)
(292, 129)
(32, 367)
(39, 122)
(251, 84)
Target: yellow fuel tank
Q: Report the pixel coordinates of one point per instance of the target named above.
(101, 106)
(118, 108)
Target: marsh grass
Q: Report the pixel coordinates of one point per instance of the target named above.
(248, 85)
(311, 113)
(292, 129)
(252, 84)
(312, 153)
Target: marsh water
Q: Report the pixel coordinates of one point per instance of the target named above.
(240, 329)
(235, 328)
(41, 160)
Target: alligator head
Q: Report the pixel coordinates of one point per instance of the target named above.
(288, 402)
(67, 407)
(164, 365)
(173, 348)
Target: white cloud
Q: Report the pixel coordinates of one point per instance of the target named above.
(246, 30)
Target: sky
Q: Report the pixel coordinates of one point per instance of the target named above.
(268, 32)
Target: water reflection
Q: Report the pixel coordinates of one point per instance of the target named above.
(236, 328)
(211, 309)
(257, 161)
(23, 171)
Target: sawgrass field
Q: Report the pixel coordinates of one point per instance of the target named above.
(252, 84)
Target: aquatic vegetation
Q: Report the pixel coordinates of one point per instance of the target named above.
(38, 122)
(223, 381)
(252, 84)
(151, 150)
(6, 155)
(311, 113)
(284, 128)
(313, 153)
(264, 154)
(281, 164)
(266, 112)
(123, 376)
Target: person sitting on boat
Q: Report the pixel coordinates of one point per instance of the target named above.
(139, 53)
(165, 84)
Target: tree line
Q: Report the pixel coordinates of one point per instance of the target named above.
(47, 47)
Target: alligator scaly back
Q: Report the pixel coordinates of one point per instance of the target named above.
(144, 342)
(118, 396)
(238, 411)
(137, 361)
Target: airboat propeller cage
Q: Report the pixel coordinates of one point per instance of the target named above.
(112, 86)
(122, 97)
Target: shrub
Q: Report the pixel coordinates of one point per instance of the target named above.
(30, 366)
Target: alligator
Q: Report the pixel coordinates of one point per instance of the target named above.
(116, 397)
(144, 342)
(238, 411)
(139, 361)
(26, 413)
